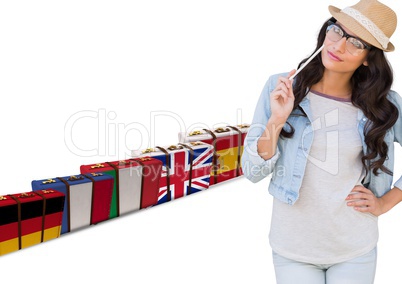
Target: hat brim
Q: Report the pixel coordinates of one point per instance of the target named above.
(357, 29)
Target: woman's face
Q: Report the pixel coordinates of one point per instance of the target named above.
(336, 55)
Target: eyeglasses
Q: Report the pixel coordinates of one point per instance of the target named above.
(353, 45)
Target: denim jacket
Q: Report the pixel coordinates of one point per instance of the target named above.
(289, 162)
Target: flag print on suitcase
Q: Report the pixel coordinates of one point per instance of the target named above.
(150, 173)
(88, 198)
(108, 170)
(132, 191)
(186, 168)
(228, 144)
(29, 218)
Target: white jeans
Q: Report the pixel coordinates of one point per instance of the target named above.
(360, 270)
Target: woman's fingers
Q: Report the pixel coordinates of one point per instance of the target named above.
(364, 200)
(282, 98)
(360, 192)
(359, 203)
(291, 73)
(282, 87)
(359, 188)
(280, 94)
(285, 81)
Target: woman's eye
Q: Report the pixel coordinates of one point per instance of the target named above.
(338, 31)
(357, 43)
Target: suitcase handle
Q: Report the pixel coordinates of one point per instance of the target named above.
(25, 195)
(145, 159)
(243, 125)
(97, 166)
(174, 147)
(221, 130)
(196, 132)
(48, 181)
(75, 178)
(123, 162)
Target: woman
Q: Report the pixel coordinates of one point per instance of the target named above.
(327, 138)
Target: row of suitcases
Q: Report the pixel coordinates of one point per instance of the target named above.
(103, 191)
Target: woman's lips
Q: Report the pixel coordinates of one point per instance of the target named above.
(333, 56)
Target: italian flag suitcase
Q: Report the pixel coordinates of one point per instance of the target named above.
(137, 182)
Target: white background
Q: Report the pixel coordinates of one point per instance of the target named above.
(111, 76)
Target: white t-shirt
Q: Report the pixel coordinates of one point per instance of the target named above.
(320, 228)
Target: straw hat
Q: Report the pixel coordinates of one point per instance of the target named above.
(370, 20)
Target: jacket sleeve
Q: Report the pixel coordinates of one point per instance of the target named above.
(254, 167)
(396, 99)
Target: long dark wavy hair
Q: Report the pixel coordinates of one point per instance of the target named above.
(370, 87)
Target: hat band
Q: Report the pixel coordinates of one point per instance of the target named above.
(368, 24)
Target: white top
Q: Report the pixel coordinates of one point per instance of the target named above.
(320, 228)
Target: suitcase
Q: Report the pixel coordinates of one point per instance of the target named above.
(150, 173)
(137, 182)
(88, 198)
(109, 170)
(133, 189)
(9, 224)
(186, 168)
(29, 218)
(228, 144)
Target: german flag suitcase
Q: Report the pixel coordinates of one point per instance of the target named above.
(29, 218)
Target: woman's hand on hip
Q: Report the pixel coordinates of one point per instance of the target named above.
(364, 200)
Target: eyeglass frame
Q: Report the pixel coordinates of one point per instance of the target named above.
(346, 35)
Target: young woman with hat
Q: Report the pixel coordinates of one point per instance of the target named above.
(327, 137)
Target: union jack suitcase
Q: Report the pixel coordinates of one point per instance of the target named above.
(88, 198)
(29, 218)
(186, 168)
(228, 144)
